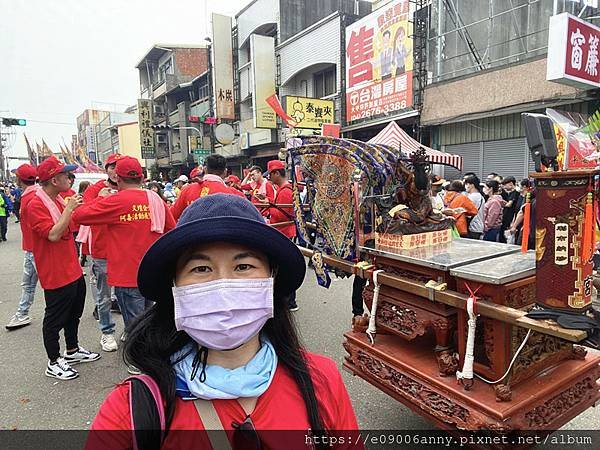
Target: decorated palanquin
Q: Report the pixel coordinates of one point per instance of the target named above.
(448, 333)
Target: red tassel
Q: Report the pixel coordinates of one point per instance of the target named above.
(526, 223)
(588, 229)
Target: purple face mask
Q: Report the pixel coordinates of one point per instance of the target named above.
(223, 314)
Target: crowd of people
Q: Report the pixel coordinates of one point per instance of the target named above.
(113, 222)
(492, 210)
(205, 282)
(204, 272)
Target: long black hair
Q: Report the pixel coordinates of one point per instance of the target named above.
(153, 339)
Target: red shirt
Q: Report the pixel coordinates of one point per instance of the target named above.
(99, 235)
(266, 189)
(27, 241)
(68, 194)
(56, 262)
(281, 407)
(278, 215)
(212, 184)
(128, 234)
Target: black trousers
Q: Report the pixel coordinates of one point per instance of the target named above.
(64, 307)
(3, 227)
(358, 286)
(17, 210)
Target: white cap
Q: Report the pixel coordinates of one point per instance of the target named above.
(182, 178)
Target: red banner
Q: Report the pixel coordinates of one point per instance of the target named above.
(275, 105)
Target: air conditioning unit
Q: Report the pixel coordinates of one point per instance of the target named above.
(159, 110)
(161, 138)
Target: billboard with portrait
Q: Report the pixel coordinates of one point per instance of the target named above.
(379, 63)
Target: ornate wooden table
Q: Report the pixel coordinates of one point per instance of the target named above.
(420, 343)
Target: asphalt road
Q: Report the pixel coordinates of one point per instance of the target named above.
(31, 400)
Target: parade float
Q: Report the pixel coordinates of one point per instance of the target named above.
(471, 335)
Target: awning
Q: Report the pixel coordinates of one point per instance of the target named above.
(396, 137)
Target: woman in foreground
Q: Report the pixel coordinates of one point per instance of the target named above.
(221, 346)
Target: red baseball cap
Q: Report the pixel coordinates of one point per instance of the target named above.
(26, 172)
(233, 179)
(128, 167)
(196, 172)
(51, 167)
(112, 159)
(275, 164)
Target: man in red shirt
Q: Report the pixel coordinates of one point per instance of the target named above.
(282, 218)
(58, 268)
(26, 175)
(97, 238)
(212, 182)
(259, 189)
(69, 192)
(134, 219)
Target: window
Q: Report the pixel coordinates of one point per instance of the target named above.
(203, 91)
(166, 68)
(324, 83)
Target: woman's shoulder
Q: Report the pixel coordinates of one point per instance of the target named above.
(114, 412)
(324, 370)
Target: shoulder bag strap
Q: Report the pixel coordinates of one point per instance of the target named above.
(143, 423)
(212, 424)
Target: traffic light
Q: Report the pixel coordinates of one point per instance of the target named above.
(161, 127)
(10, 122)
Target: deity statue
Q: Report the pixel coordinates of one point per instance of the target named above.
(411, 210)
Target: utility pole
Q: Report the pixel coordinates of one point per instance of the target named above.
(2, 171)
(211, 107)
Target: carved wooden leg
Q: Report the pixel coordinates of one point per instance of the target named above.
(447, 361)
(446, 357)
(443, 329)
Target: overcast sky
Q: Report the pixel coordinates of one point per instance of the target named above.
(60, 57)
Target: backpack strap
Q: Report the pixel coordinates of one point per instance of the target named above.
(144, 425)
(212, 424)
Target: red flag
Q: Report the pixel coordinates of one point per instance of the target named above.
(331, 129)
(275, 105)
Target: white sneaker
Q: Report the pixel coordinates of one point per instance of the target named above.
(61, 370)
(81, 355)
(123, 337)
(18, 321)
(133, 370)
(108, 343)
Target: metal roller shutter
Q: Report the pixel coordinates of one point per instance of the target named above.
(506, 157)
(471, 154)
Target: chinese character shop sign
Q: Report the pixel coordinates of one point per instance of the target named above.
(309, 113)
(379, 63)
(573, 52)
(146, 131)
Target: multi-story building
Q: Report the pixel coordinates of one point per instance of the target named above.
(167, 76)
(87, 131)
(296, 47)
(107, 139)
(487, 64)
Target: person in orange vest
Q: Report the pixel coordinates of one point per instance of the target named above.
(212, 182)
(282, 215)
(459, 206)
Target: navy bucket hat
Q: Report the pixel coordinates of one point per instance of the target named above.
(219, 217)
